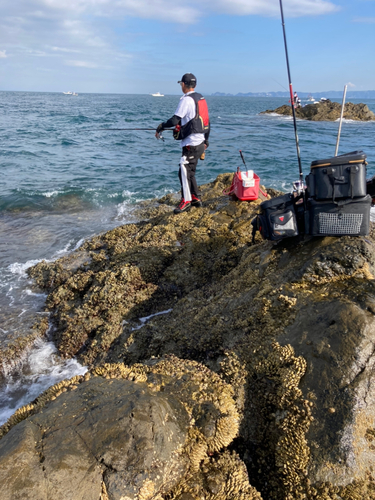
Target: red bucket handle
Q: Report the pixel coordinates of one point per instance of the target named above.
(229, 191)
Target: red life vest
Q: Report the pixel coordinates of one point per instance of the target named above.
(200, 124)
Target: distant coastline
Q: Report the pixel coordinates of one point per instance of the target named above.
(336, 94)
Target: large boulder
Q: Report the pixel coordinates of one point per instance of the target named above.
(117, 433)
(126, 433)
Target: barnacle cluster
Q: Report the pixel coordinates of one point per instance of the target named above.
(223, 477)
(276, 372)
(234, 372)
(135, 373)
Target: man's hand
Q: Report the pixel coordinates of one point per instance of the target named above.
(158, 130)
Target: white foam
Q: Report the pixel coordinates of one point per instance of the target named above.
(276, 115)
(122, 209)
(127, 194)
(30, 293)
(346, 120)
(40, 369)
(20, 269)
(68, 248)
(49, 194)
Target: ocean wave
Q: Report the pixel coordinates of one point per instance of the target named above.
(346, 120)
(49, 194)
(123, 210)
(20, 269)
(276, 115)
(66, 199)
(80, 119)
(69, 247)
(39, 368)
(69, 142)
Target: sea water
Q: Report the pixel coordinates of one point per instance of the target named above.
(64, 178)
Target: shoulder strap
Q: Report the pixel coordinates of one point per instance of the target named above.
(254, 223)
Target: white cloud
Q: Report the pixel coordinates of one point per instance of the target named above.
(365, 20)
(170, 10)
(81, 64)
(3, 54)
(63, 49)
(292, 8)
(350, 84)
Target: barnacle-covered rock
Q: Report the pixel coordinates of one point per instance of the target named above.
(223, 477)
(288, 326)
(124, 431)
(327, 111)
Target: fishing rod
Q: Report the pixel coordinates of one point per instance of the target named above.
(341, 116)
(133, 129)
(160, 136)
(291, 97)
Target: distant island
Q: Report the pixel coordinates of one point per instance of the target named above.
(336, 94)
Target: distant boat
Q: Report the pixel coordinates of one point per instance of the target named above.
(310, 98)
(70, 93)
(158, 94)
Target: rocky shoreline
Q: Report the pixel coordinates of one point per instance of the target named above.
(327, 111)
(249, 376)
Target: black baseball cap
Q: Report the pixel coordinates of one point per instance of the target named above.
(188, 79)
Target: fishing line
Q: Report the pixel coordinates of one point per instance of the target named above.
(133, 129)
(278, 83)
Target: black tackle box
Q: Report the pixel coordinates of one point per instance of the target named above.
(344, 217)
(342, 176)
(277, 219)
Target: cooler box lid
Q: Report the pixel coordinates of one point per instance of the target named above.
(347, 158)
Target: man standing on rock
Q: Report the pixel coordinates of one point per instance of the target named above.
(192, 127)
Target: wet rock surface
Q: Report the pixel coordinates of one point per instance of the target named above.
(327, 111)
(287, 328)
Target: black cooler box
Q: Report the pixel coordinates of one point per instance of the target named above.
(342, 176)
(340, 218)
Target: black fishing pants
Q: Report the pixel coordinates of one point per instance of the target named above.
(186, 174)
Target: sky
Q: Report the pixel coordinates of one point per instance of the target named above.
(145, 46)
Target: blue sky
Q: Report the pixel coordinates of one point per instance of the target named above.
(144, 46)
